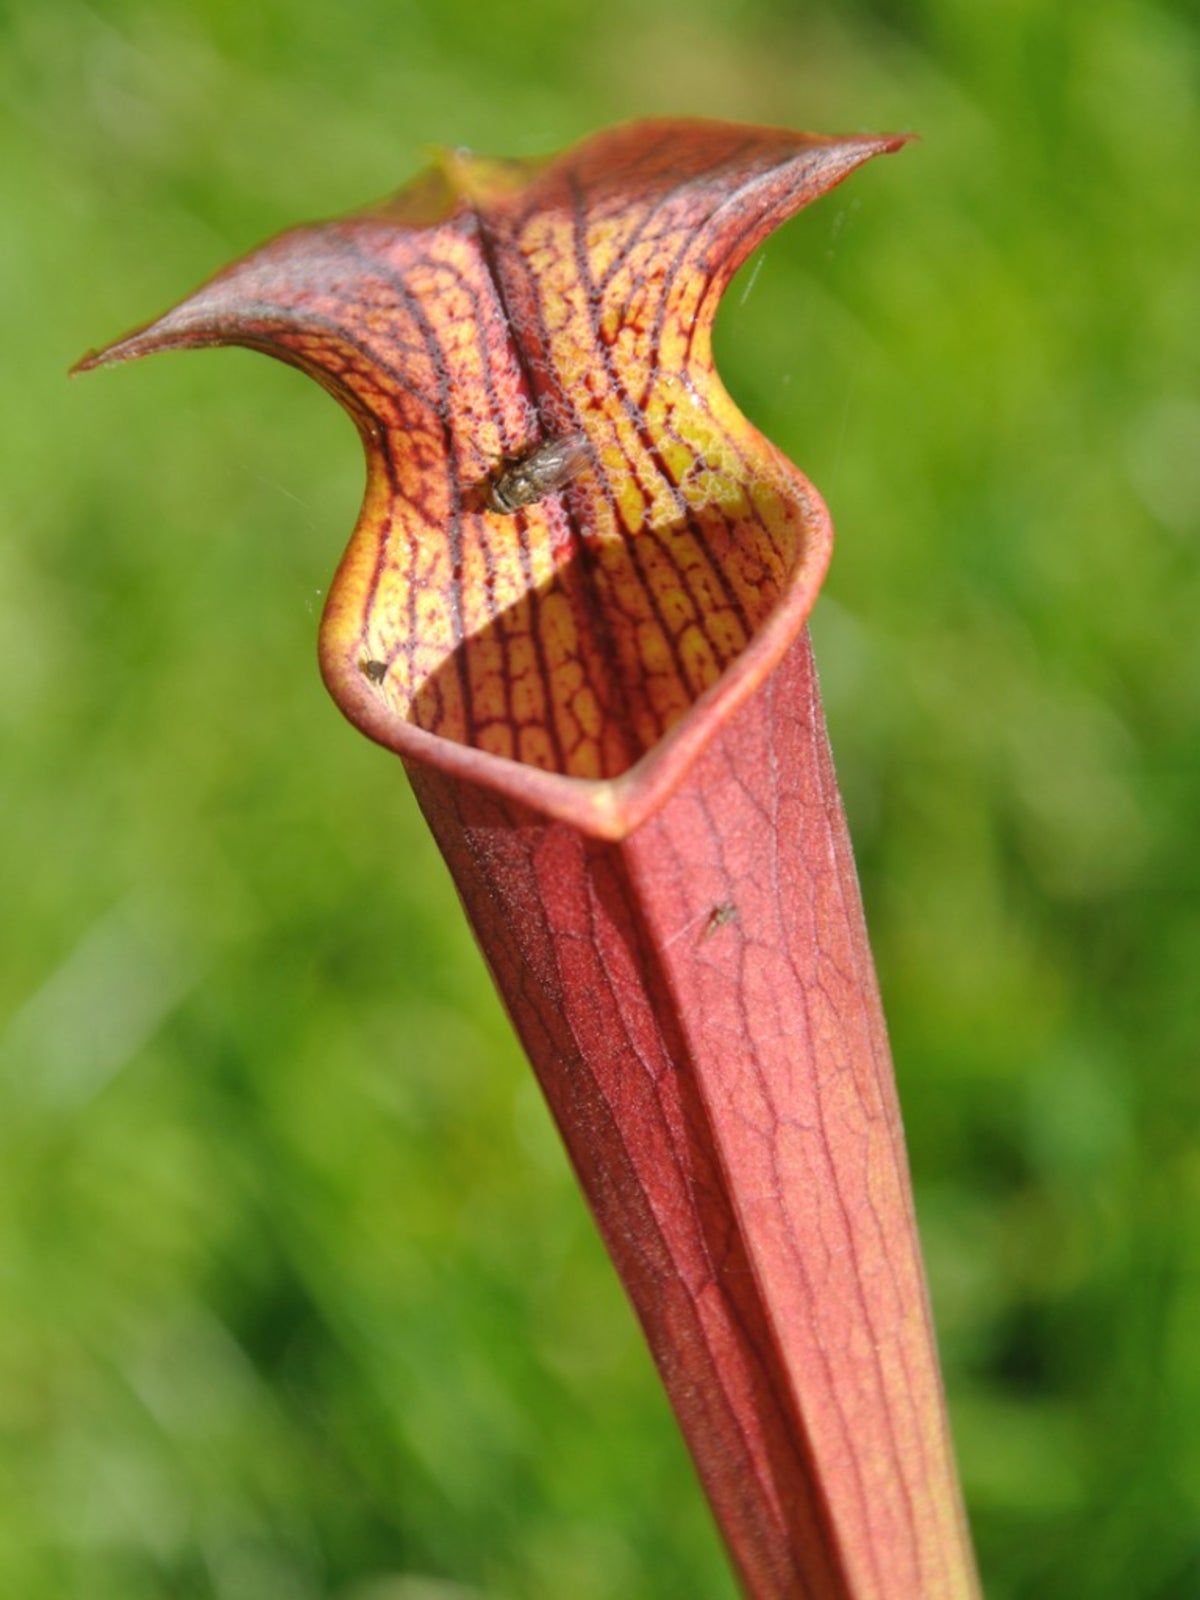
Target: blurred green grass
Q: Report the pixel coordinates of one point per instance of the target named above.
(298, 1298)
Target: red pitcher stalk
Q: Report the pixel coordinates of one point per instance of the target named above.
(603, 694)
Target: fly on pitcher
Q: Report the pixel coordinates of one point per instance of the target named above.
(544, 470)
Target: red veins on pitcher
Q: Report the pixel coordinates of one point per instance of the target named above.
(574, 604)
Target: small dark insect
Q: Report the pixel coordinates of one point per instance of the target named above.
(541, 472)
(375, 670)
(718, 917)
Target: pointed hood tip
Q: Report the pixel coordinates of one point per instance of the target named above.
(109, 355)
(127, 348)
(871, 144)
(184, 327)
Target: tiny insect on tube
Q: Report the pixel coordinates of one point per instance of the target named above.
(544, 470)
(718, 917)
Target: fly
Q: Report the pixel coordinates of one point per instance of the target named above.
(542, 471)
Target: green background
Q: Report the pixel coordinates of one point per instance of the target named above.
(297, 1299)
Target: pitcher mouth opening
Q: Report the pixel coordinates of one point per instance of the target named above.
(574, 634)
(588, 693)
